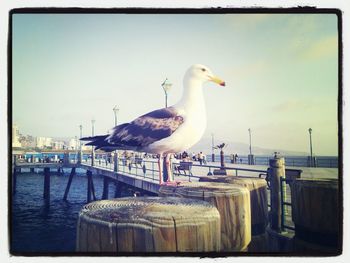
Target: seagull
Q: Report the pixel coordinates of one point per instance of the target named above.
(165, 131)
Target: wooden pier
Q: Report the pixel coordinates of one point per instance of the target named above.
(144, 177)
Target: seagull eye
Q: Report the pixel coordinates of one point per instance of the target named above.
(203, 69)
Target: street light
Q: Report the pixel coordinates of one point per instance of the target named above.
(93, 127)
(92, 147)
(81, 133)
(250, 141)
(311, 160)
(80, 144)
(212, 148)
(250, 156)
(166, 85)
(115, 110)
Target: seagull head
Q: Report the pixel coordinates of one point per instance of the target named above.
(203, 73)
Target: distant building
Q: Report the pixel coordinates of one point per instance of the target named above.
(85, 148)
(43, 142)
(73, 144)
(27, 141)
(15, 136)
(58, 145)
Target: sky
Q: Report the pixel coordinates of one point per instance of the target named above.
(280, 72)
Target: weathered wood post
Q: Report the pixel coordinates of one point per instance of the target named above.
(72, 173)
(233, 204)
(105, 187)
(315, 213)
(258, 203)
(47, 186)
(276, 173)
(222, 159)
(148, 224)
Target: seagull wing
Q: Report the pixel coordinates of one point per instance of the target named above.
(148, 128)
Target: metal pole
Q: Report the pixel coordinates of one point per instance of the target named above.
(92, 147)
(212, 148)
(116, 157)
(166, 99)
(250, 141)
(92, 127)
(115, 110)
(166, 86)
(311, 159)
(80, 145)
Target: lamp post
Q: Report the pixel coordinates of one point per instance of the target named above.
(115, 110)
(166, 85)
(116, 155)
(93, 127)
(250, 156)
(80, 156)
(311, 158)
(92, 147)
(81, 133)
(250, 141)
(212, 148)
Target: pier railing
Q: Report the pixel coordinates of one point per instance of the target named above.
(147, 168)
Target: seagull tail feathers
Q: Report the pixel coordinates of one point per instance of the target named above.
(100, 142)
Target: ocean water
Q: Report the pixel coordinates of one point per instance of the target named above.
(36, 229)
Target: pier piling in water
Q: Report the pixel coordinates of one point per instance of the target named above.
(148, 224)
(117, 191)
(90, 187)
(47, 186)
(14, 181)
(72, 173)
(105, 188)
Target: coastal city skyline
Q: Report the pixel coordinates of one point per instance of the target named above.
(280, 71)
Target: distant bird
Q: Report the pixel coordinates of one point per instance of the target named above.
(168, 130)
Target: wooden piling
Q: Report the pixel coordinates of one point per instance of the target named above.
(105, 188)
(276, 172)
(89, 179)
(47, 185)
(14, 181)
(233, 204)
(258, 203)
(315, 213)
(72, 173)
(32, 170)
(258, 198)
(90, 187)
(148, 224)
(117, 191)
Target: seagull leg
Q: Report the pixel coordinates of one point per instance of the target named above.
(160, 168)
(168, 168)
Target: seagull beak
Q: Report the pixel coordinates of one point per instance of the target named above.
(217, 80)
